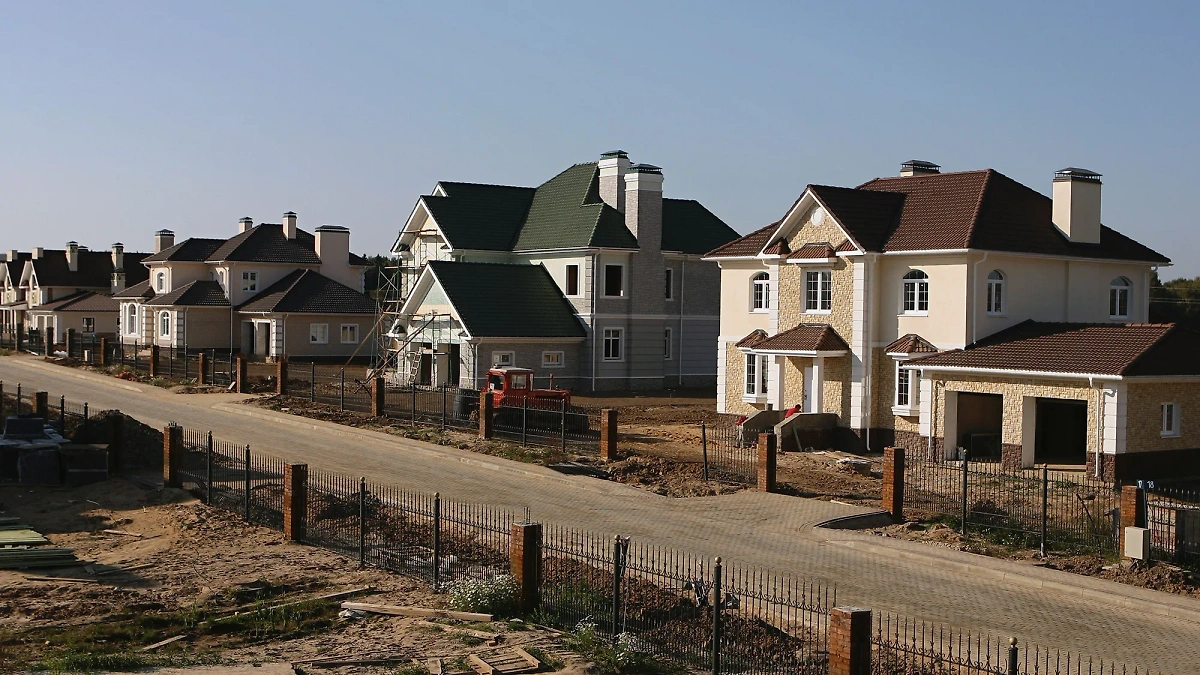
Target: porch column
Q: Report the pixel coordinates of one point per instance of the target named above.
(950, 425)
(1028, 430)
(818, 384)
(776, 380)
(277, 344)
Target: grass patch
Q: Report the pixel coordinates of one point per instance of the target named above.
(547, 660)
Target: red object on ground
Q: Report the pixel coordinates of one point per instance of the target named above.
(510, 386)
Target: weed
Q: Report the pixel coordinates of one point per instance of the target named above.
(77, 662)
(5, 352)
(547, 660)
(625, 654)
(471, 640)
(410, 669)
(497, 595)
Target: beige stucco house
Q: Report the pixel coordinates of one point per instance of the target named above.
(874, 307)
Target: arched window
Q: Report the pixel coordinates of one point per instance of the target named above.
(160, 282)
(761, 292)
(995, 292)
(1118, 298)
(131, 320)
(164, 324)
(916, 292)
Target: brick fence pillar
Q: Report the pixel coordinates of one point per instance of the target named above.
(49, 342)
(243, 385)
(172, 451)
(281, 375)
(154, 354)
(608, 435)
(72, 338)
(525, 562)
(486, 414)
(295, 500)
(1133, 511)
(41, 405)
(116, 442)
(377, 397)
(849, 641)
(202, 368)
(767, 459)
(893, 483)
(102, 358)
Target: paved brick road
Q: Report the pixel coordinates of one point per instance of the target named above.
(1097, 619)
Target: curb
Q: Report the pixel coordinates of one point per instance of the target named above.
(858, 521)
(85, 376)
(1028, 576)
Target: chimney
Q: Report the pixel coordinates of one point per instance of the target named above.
(1076, 209)
(919, 167)
(14, 254)
(332, 246)
(38, 252)
(613, 165)
(163, 239)
(245, 225)
(118, 267)
(289, 224)
(643, 201)
(73, 256)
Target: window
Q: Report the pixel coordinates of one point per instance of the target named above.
(349, 333)
(573, 280)
(1118, 298)
(670, 274)
(318, 333)
(756, 375)
(131, 319)
(552, 359)
(1170, 419)
(250, 282)
(761, 292)
(501, 359)
(916, 292)
(614, 280)
(907, 387)
(164, 324)
(612, 344)
(160, 282)
(995, 293)
(666, 344)
(89, 324)
(818, 291)
(519, 381)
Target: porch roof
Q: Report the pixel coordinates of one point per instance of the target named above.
(804, 339)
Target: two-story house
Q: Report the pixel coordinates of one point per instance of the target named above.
(937, 311)
(12, 296)
(270, 290)
(72, 289)
(592, 278)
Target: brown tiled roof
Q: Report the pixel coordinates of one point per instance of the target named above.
(749, 245)
(308, 292)
(194, 249)
(846, 247)
(868, 217)
(778, 248)
(910, 344)
(1093, 349)
(194, 294)
(810, 251)
(756, 336)
(140, 290)
(94, 270)
(268, 243)
(803, 338)
(87, 301)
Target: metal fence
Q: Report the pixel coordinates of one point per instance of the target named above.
(232, 477)
(1062, 510)
(728, 454)
(1173, 518)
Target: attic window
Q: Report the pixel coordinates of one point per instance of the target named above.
(1118, 298)
(614, 281)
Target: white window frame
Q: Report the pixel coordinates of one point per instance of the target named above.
(822, 303)
(1120, 290)
(318, 333)
(554, 359)
(614, 336)
(501, 359)
(342, 333)
(164, 319)
(160, 282)
(919, 293)
(1170, 420)
(669, 279)
(668, 342)
(567, 282)
(84, 322)
(997, 294)
(131, 314)
(249, 281)
(760, 289)
(909, 404)
(757, 376)
(604, 280)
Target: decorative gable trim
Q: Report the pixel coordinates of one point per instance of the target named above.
(426, 281)
(788, 225)
(422, 207)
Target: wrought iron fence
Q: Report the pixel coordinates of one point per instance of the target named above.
(1173, 518)
(548, 422)
(728, 454)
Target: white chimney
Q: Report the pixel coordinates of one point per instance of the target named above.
(289, 225)
(1076, 210)
(919, 167)
(14, 254)
(163, 239)
(643, 206)
(245, 225)
(613, 165)
(118, 265)
(38, 252)
(73, 256)
(332, 245)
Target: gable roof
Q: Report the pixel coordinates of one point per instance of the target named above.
(94, 270)
(16, 266)
(749, 245)
(805, 337)
(85, 301)
(266, 242)
(309, 292)
(483, 296)
(480, 216)
(910, 344)
(194, 249)
(567, 212)
(1078, 348)
(138, 290)
(194, 294)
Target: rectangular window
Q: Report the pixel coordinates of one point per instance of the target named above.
(818, 291)
(757, 374)
(573, 280)
(612, 344)
(1170, 419)
(89, 324)
(318, 333)
(250, 282)
(349, 333)
(552, 359)
(614, 280)
(502, 359)
(666, 344)
(670, 274)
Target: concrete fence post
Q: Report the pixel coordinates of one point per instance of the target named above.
(243, 385)
(49, 342)
(295, 501)
(102, 357)
(767, 460)
(1133, 511)
(849, 641)
(72, 338)
(525, 562)
(893, 483)
(281, 375)
(155, 351)
(172, 451)
(202, 367)
(608, 435)
(486, 414)
(41, 405)
(377, 397)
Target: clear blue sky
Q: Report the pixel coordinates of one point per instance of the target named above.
(122, 118)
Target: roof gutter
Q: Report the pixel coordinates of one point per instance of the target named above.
(916, 365)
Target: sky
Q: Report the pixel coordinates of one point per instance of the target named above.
(121, 118)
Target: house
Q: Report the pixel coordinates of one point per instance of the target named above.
(593, 278)
(12, 296)
(67, 288)
(270, 290)
(936, 311)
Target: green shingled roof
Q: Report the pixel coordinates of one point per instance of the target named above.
(499, 300)
(567, 212)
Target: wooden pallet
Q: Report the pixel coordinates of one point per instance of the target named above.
(515, 660)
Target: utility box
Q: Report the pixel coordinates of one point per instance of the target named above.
(1137, 543)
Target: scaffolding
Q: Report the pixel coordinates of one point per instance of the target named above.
(406, 341)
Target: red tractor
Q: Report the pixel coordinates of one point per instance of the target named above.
(513, 397)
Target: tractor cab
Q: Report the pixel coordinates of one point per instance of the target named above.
(510, 386)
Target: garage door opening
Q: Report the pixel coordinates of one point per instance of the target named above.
(1061, 436)
(980, 421)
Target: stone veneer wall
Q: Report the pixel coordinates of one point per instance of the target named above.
(1143, 416)
(735, 381)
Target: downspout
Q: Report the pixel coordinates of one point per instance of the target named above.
(933, 409)
(682, 298)
(975, 297)
(1099, 424)
(595, 262)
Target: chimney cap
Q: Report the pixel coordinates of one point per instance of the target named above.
(72, 243)
(118, 244)
(164, 233)
(645, 168)
(333, 228)
(245, 219)
(612, 154)
(921, 165)
(1075, 173)
(290, 213)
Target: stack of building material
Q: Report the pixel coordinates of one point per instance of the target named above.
(23, 548)
(34, 453)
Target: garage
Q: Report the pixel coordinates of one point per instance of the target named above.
(980, 422)
(1061, 435)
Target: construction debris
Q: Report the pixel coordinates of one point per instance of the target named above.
(578, 468)
(76, 580)
(164, 643)
(423, 612)
(515, 660)
(26, 557)
(489, 638)
(22, 536)
(328, 596)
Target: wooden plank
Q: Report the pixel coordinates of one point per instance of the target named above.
(435, 666)
(127, 534)
(527, 657)
(164, 643)
(327, 596)
(124, 569)
(463, 631)
(423, 612)
(479, 665)
(68, 579)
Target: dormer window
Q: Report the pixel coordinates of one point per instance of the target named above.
(1118, 298)
(995, 293)
(761, 292)
(250, 282)
(916, 293)
(160, 282)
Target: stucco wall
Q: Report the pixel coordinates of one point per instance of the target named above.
(1143, 416)
(737, 321)
(529, 355)
(208, 328)
(296, 335)
(946, 323)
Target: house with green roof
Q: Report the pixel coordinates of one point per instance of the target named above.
(592, 278)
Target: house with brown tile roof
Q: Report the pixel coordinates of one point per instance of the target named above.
(978, 315)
